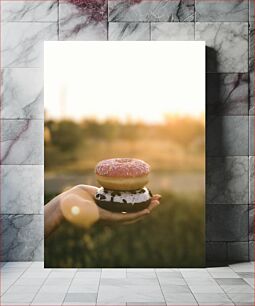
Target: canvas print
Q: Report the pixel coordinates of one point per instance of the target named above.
(124, 154)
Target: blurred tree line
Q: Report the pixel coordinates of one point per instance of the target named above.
(68, 134)
(63, 138)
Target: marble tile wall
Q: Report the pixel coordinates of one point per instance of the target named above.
(228, 29)
(24, 25)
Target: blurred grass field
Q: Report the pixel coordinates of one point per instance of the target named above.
(173, 235)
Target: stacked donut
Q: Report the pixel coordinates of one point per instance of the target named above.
(123, 181)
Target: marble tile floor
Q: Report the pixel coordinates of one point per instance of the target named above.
(28, 283)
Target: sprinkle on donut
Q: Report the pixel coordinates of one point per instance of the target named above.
(122, 167)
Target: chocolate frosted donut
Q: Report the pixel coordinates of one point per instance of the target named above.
(123, 201)
(122, 173)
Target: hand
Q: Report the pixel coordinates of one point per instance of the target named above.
(80, 208)
(129, 218)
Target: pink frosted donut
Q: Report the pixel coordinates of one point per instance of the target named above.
(122, 173)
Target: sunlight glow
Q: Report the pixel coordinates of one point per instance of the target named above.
(141, 81)
(75, 210)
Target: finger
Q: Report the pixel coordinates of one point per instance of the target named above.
(89, 189)
(153, 205)
(120, 217)
(132, 216)
(134, 221)
(156, 197)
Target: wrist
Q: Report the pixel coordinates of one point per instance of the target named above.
(57, 207)
(53, 215)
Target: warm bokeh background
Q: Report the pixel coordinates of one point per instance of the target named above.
(174, 234)
(148, 106)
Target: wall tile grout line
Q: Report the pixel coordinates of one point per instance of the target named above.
(249, 130)
(195, 12)
(155, 21)
(224, 241)
(22, 119)
(58, 25)
(21, 164)
(25, 21)
(150, 29)
(107, 21)
(22, 214)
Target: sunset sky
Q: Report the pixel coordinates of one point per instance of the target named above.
(125, 80)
